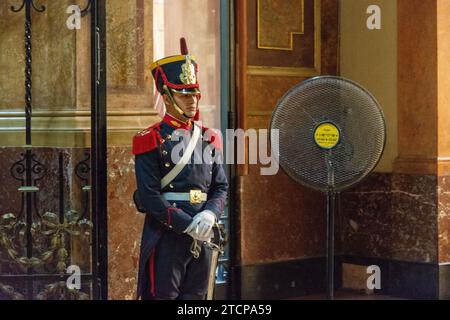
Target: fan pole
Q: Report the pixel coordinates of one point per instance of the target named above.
(330, 245)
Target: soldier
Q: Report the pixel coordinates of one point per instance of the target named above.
(182, 199)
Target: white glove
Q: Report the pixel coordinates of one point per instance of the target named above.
(193, 230)
(201, 226)
(206, 220)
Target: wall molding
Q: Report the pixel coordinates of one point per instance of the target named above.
(72, 128)
(423, 166)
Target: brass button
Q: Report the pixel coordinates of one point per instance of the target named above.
(167, 165)
(165, 153)
(168, 137)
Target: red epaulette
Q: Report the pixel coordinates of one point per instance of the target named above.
(214, 136)
(147, 140)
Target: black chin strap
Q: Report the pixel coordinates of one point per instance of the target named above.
(175, 105)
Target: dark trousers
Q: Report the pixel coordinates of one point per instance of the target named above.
(172, 271)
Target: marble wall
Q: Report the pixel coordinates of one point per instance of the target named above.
(124, 224)
(443, 208)
(399, 217)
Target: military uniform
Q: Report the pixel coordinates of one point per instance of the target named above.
(167, 267)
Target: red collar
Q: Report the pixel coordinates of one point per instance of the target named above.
(177, 124)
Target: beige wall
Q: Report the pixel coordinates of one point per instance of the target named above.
(369, 57)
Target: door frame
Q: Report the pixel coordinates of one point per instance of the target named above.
(99, 150)
(229, 121)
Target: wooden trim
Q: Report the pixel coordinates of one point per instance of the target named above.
(427, 166)
(241, 71)
(285, 72)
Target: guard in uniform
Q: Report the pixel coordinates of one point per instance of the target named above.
(182, 198)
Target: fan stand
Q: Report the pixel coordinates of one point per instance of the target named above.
(330, 230)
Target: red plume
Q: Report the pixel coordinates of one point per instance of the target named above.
(183, 47)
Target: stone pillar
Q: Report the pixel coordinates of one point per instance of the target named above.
(422, 167)
(443, 133)
(399, 220)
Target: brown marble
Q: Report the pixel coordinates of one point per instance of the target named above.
(124, 225)
(414, 218)
(364, 213)
(444, 219)
(391, 216)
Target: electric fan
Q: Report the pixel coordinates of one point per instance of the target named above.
(328, 133)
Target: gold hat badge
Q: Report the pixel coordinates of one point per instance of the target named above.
(187, 75)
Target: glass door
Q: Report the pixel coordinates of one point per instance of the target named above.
(53, 137)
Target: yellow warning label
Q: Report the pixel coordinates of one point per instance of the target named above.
(327, 135)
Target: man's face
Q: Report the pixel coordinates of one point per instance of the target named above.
(187, 102)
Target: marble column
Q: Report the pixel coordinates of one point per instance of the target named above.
(402, 219)
(424, 98)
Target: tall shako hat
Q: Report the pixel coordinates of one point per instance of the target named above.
(177, 74)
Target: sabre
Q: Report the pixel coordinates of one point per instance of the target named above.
(216, 244)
